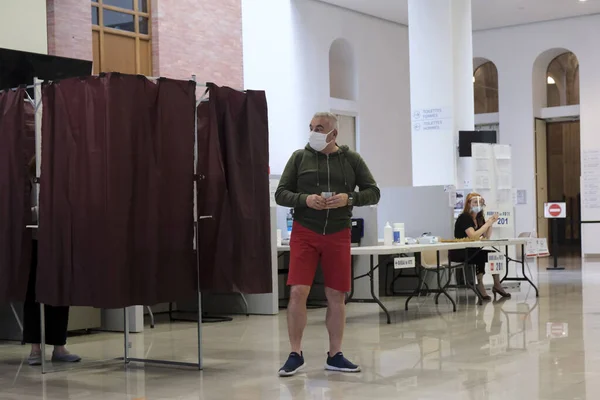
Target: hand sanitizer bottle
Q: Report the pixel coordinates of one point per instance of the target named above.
(388, 235)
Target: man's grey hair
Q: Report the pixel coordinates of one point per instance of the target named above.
(330, 116)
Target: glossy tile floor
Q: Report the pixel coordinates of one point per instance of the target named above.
(523, 348)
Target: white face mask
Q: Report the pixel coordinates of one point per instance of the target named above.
(477, 209)
(318, 141)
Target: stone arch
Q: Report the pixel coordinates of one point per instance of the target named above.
(550, 84)
(485, 86)
(342, 70)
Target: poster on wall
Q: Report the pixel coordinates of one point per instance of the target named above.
(590, 179)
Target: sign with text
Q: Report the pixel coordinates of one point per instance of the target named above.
(404, 262)
(555, 210)
(542, 247)
(505, 219)
(531, 248)
(496, 263)
(433, 119)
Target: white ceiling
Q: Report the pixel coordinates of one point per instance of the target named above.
(487, 14)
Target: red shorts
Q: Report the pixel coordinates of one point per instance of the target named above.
(307, 248)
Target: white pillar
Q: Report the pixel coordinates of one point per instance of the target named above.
(441, 86)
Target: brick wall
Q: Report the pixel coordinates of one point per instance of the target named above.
(70, 28)
(202, 37)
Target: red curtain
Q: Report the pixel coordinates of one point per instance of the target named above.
(15, 202)
(233, 166)
(116, 201)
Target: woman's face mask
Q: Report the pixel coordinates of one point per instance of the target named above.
(477, 205)
(318, 141)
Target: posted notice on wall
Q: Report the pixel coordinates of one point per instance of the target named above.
(590, 179)
(433, 119)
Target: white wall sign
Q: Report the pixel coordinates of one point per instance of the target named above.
(505, 218)
(404, 262)
(555, 210)
(496, 263)
(433, 119)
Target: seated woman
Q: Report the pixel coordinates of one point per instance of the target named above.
(472, 224)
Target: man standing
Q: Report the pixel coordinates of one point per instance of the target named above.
(320, 183)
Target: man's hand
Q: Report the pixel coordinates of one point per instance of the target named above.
(316, 202)
(337, 201)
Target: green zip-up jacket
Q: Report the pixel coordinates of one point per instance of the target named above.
(311, 172)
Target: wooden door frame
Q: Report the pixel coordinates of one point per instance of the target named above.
(541, 177)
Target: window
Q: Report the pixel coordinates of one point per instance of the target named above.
(485, 88)
(121, 32)
(563, 81)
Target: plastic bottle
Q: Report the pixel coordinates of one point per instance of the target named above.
(399, 238)
(290, 222)
(388, 235)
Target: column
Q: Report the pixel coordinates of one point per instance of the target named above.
(441, 86)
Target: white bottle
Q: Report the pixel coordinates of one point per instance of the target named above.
(388, 235)
(399, 238)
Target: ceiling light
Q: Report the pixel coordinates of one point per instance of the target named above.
(582, 1)
(551, 79)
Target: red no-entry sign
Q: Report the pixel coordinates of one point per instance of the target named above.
(555, 210)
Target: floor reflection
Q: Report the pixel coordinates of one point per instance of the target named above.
(520, 348)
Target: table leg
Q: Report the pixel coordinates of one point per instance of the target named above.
(441, 288)
(473, 284)
(537, 294)
(419, 284)
(351, 280)
(372, 279)
(507, 262)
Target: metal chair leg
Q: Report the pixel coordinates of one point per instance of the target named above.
(14, 311)
(151, 317)
(245, 303)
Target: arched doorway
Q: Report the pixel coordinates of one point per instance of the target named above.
(485, 88)
(485, 91)
(558, 145)
(343, 86)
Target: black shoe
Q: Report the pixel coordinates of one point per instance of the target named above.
(340, 363)
(294, 363)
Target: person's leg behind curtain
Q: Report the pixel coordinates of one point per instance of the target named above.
(56, 322)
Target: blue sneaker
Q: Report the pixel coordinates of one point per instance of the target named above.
(340, 363)
(294, 363)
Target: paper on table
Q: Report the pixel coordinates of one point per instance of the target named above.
(481, 150)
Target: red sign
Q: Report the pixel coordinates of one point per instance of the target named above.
(554, 210)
